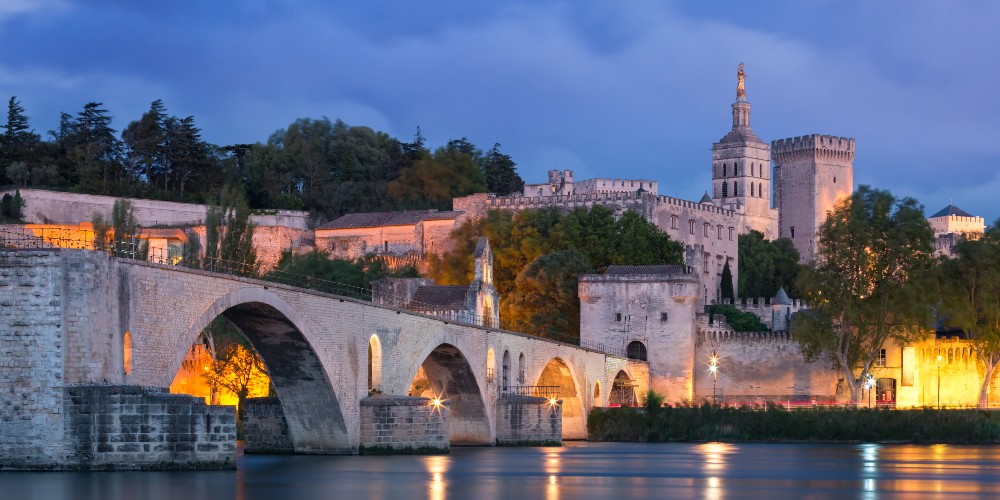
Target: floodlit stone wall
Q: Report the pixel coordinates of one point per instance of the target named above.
(402, 424)
(528, 421)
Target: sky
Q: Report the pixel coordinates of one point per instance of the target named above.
(630, 89)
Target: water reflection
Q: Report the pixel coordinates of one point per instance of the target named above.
(578, 470)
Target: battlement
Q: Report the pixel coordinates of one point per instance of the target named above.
(477, 203)
(715, 330)
(813, 142)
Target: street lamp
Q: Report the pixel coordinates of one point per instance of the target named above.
(939, 381)
(713, 366)
(869, 383)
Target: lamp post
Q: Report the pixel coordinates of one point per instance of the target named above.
(869, 383)
(939, 381)
(713, 366)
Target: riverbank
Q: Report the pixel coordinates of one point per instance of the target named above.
(776, 424)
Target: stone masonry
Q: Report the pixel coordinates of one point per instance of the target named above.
(264, 427)
(527, 420)
(401, 424)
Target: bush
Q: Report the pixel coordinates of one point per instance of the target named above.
(740, 321)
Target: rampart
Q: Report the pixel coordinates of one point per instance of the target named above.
(820, 146)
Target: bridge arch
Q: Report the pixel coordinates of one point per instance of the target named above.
(558, 373)
(281, 337)
(623, 390)
(451, 377)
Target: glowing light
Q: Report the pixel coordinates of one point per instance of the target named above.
(713, 368)
(436, 402)
(553, 401)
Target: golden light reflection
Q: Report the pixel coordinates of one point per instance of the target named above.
(436, 467)
(714, 455)
(553, 467)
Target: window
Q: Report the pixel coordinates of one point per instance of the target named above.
(663, 317)
(618, 316)
(725, 190)
(735, 191)
(880, 360)
(731, 231)
(386, 247)
(691, 226)
(705, 261)
(520, 369)
(374, 363)
(951, 355)
(636, 350)
(751, 189)
(505, 376)
(127, 353)
(834, 179)
(792, 229)
(718, 230)
(736, 169)
(707, 228)
(673, 221)
(760, 189)
(723, 169)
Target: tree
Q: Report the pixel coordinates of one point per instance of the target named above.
(432, 182)
(501, 173)
(229, 235)
(19, 141)
(970, 299)
(11, 208)
(94, 150)
(236, 366)
(727, 282)
(868, 284)
(318, 271)
(766, 266)
(546, 303)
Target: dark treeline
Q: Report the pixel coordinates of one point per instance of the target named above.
(326, 167)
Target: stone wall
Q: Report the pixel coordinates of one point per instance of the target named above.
(402, 424)
(130, 427)
(528, 421)
(265, 429)
(32, 344)
(53, 207)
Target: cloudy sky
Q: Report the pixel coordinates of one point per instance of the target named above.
(636, 89)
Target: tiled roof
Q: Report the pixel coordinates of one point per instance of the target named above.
(951, 209)
(706, 198)
(640, 270)
(375, 219)
(439, 298)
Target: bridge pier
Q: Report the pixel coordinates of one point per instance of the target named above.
(528, 421)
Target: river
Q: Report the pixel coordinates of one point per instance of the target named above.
(577, 470)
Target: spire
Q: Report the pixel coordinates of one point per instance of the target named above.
(741, 94)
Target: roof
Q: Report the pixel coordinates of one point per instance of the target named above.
(951, 209)
(740, 135)
(781, 298)
(439, 298)
(706, 198)
(643, 270)
(481, 245)
(375, 219)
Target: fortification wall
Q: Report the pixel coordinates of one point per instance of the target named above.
(53, 207)
(759, 367)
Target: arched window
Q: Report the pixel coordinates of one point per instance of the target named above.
(951, 355)
(751, 189)
(505, 376)
(374, 364)
(673, 221)
(520, 369)
(718, 230)
(736, 169)
(707, 229)
(731, 234)
(735, 191)
(597, 393)
(725, 189)
(636, 350)
(723, 169)
(760, 189)
(127, 353)
(491, 365)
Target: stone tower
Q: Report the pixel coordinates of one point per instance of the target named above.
(811, 173)
(741, 171)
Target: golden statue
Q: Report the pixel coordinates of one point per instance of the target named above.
(741, 76)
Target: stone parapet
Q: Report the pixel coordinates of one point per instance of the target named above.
(840, 148)
(403, 425)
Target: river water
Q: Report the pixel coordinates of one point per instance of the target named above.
(577, 470)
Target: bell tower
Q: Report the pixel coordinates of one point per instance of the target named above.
(741, 170)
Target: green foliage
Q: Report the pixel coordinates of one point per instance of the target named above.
(501, 173)
(767, 266)
(773, 423)
(727, 282)
(970, 299)
(870, 282)
(740, 321)
(433, 181)
(229, 235)
(546, 301)
(318, 271)
(520, 239)
(12, 208)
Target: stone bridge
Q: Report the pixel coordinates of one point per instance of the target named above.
(83, 317)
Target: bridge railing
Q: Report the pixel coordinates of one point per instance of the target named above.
(538, 391)
(135, 247)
